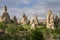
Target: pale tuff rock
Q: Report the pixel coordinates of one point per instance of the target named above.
(31, 21)
(24, 19)
(6, 20)
(50, 20)
(19, 22)
(43, 22)
(33, 24)
(35, 20)
(6, 16)
(5, 13)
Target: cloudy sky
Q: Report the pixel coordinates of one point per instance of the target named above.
(30, 7)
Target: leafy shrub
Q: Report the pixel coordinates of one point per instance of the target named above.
(36, 34)
(3, 26)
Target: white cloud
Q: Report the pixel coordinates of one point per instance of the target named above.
(25, 1)
(16, 1)
(30, 12)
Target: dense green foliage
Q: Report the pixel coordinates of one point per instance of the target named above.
(19, 32)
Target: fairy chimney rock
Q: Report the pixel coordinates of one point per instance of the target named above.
(35, 20)
(24, 19)
(5, 15)
(50, 20)
(15, 19)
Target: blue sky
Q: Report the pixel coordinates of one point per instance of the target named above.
(30, 7)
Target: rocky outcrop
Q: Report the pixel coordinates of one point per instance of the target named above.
(6, 16)
(50, 20)
(15, 20)
(24, 20)
(35, 20)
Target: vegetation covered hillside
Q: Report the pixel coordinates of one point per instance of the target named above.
(19, 32)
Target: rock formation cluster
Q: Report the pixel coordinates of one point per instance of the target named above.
(50, 21)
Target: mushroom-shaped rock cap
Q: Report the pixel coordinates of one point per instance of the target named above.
(49, 10)
(23, 15)
(5, 8)
(14, 18)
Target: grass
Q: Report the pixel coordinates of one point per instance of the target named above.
(26, 26)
